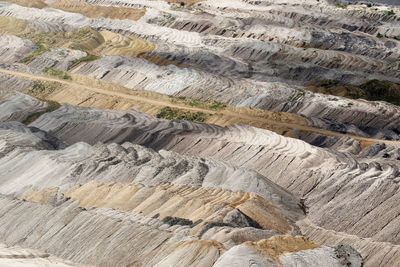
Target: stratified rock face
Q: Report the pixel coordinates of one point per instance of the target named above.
(60, 59)
(19, 106)
(131, 163)
(166, 203)
(250, 254)
(9, 84)
(88, 186)
(244, 256)
(311, 172)
(260, 56)
(13, 48)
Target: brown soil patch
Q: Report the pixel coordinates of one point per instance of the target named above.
(10, 25)
(278, 245)
(117, 44)
(39, 196)
(160, 60)
(189, 202)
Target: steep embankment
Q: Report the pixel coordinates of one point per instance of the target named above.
(121, 98)
(139, 213)
(332, 183)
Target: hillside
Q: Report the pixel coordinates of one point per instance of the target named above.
(199, 133)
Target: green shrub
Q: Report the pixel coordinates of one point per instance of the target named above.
(52, 71)
(177, 114)
(57, 73)
(217, 105)
(39, 87)
(390, 12)
(341, 5)
(67, 77)
(379, 35)
(210, 104)
(38, 51)
(81, 39)
(87, 58)
(171, 18)
(194, 103)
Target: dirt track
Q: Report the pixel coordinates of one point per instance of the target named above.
(364, 141)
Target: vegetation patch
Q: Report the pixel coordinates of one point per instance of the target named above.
(171, 18)
(41, 89)
(341, 5)
(87, 58)
(57, 73)
(216, 105)
(85, 39)
(211, 104)
(390, 13)
(41, 48)
(51, 106)
(177, 114)
(373, 90)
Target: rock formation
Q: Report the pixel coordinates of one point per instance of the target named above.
(266, 168)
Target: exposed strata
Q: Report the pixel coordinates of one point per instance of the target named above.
(10, 84)
(216, 59)
(168, 242)
(60, 59)
(310, 172)
(19, 48)
(163, 244)
(139, 74)
(85, 184)
(117, 44)
(202, 172)
(19, 106)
